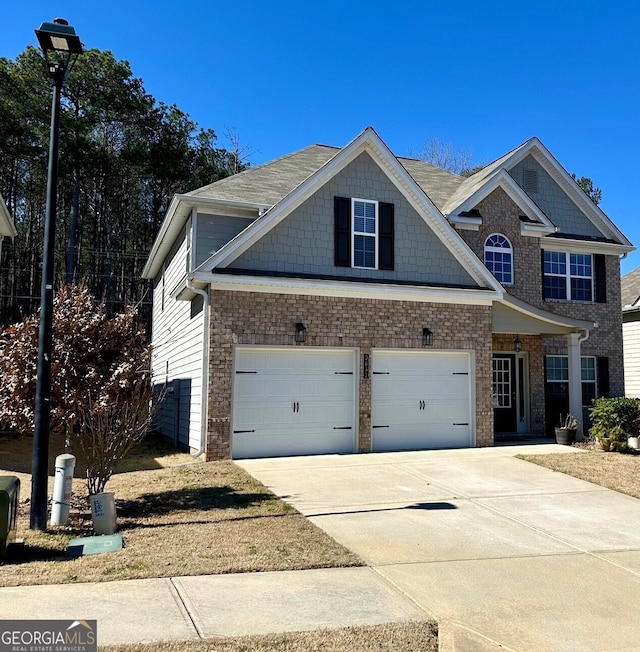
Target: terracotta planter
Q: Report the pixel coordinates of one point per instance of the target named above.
(565, 437)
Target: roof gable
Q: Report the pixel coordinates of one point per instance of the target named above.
(543, 157)
(368, 141)
(303, 242)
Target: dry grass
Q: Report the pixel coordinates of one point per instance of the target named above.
(400, 637)
(192, 519)
(617, 471)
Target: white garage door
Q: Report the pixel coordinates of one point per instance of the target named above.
(421, 399)
(293, 401)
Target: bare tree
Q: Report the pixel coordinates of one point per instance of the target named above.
(241, 153)
(108, 430)
(443, 155)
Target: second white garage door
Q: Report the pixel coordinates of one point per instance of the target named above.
(293, 401)
(421, 399)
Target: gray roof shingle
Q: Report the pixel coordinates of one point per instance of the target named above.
(270, 182)
(630, 286)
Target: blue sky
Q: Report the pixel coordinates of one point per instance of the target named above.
(484, 76)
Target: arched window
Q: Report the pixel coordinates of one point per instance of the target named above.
(498, 257)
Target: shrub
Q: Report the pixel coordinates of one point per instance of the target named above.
(616, 418)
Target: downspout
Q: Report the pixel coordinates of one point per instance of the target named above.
(585, 336)
(205, 366)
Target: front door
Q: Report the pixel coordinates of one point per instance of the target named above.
(504, 393)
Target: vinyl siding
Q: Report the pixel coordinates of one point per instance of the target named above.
(177, 354)
(631, 338)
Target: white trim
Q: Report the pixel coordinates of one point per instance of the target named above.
(568, 276)
(180, 208)
(583, 246)
(200, 201)
(204, 371)
(547, 317)
(502, 179)
(364, 234)
(368, 141)
(495, 249)
(592, 211)
(350, 289)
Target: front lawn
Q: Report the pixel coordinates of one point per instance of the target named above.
(191, 518)
(617, 471)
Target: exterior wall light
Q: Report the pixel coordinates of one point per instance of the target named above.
(517, 344)
(301, 332)
(427, 337)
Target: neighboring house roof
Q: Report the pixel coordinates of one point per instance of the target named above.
(7, 226)
(630, 286)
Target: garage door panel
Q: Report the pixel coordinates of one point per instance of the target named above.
(300, 401)
(423, 399)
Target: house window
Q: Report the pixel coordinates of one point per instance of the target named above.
(364, 233)
(568, 276)
(588, 375)
(498, 257)
(558, 377)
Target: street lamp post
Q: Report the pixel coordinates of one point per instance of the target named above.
(61, 47)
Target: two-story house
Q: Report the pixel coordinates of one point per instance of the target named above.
(341, 300)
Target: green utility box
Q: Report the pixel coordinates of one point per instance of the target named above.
(9, 499)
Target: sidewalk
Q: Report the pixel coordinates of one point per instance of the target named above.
(181, 608)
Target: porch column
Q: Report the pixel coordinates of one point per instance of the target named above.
(575, 380)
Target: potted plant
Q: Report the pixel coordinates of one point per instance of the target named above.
(616, 422)
(566, 431)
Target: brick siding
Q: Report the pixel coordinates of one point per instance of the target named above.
(501, 215)
(242, 318)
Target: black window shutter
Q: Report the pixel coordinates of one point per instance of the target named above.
(603, 376)
(342, 231)
(544, 296)
(385, 241)
(600, 269)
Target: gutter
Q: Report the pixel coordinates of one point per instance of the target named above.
(204, 379)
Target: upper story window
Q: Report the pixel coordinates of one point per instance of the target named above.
(498, 257)
(365, 233)
(568, 276)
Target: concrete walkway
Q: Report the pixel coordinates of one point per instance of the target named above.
(182, 608)
(504, 554)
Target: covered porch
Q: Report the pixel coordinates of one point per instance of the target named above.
(520, 403)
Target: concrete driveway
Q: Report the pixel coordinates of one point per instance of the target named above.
(503, 553)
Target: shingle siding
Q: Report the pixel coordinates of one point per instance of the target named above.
(555, 203)
(303, 241)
